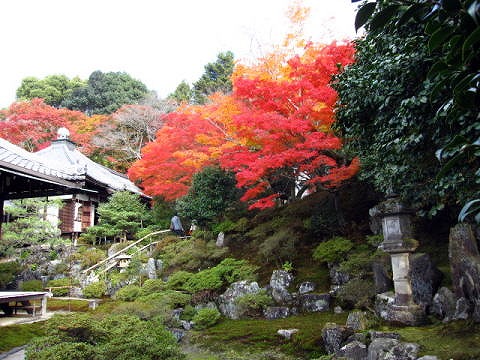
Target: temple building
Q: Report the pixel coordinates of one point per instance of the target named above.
(99, 182)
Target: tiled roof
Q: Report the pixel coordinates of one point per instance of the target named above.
(21, 160)
(63, 153)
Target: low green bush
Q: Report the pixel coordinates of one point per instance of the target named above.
(168, 298)
(95, 290)
(128, 293)
(142, 310)
(31, 285)
(151, 286)
(216, 278)
(85, 337)
(333, 250)
(177, 280)
(251, 305)
(205, 318)
(8, 273)
(358, 293)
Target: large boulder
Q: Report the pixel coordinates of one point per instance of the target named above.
(306, 287)
(425, 278)
(354, 350)
(227, 301)
(392, 349)
(381, 277)
(443, 304)
(151, 268)
(334, 336)
(465, 264)
(357, 320)
(337, 277)
(276, 312)
(314, 302)
(386, 308)
(280, 281)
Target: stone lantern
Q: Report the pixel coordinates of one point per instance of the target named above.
(398, 241)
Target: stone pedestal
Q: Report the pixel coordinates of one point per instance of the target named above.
(399, 243)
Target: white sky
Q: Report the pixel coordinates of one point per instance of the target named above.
(159, 42)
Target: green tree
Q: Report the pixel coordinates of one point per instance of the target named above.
(216, 78)
(397, 115)
(120, 217)
(105, 93)
(29, 226)
(183, 93)
(53, 89)
(212, 192)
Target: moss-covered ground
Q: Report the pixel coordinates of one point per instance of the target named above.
(18, 335)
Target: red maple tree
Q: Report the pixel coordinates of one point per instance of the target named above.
(33, 124)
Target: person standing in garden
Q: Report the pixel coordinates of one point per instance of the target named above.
(176, 226)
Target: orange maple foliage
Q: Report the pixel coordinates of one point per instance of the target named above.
(192, 137)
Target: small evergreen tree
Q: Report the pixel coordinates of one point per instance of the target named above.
(121, 217)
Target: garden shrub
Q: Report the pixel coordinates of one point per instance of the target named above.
(142, 310)
(122, 337)
(63, 285)
(333, 250)
(228, 271)
(224, 226)
(128, 293)
(151, 286)
(251, 305)
(8, 273)
(205, 318)
(168, 298)
(357, 293)
(95, 290)
(177, 280)
(31, 285)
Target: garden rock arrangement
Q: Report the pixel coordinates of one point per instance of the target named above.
(285, 303)
(343, 343)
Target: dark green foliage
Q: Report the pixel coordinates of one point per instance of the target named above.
(28, 226)
(178, 280)
(8, 273)
(251, 305)
(216, 78)
(357, 292)
(151, 286)
(333, 250)
(120, 217)
(205, 318)
(31, 285)
(213, 279)
(95, 290)
(183, 93)
(84, 337)
(128, 293)
(105, 93)
(53, 89)
(411, 93)
(212, 192)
